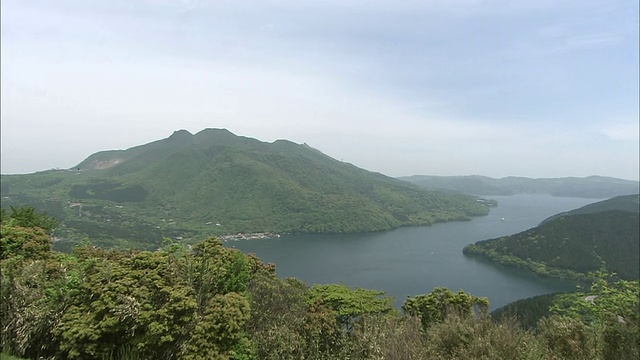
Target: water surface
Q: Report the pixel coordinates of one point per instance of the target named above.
(412, 261)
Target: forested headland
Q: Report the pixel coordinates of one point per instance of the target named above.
(599, 237)
(213, 302)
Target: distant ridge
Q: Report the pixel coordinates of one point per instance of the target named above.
(190, 186)
(587, 187)
(629, 203)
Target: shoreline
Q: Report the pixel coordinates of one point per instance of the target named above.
(249, 236)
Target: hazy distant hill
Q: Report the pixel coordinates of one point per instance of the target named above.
(214, 182)
(589, 187)
(630, 203)
(575, 243)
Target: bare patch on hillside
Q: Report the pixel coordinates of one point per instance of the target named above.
(105, 164)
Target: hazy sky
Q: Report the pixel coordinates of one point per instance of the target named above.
(442, 87)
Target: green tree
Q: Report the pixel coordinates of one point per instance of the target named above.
(568, 338)
(612, 310)
(25, 242)
(219, 328)
(29, 217)
(278, 317)
(25, 232)
(350, 304)
(36, 288)
(434, 307)
(466, 337)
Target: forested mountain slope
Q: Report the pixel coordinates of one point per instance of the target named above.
(215, 183)
(571, 245)
(588, 187)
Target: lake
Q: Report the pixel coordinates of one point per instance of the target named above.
(411, 261)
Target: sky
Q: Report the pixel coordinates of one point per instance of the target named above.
(498, 88)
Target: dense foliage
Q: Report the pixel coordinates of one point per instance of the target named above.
(191, 186)
(571, 246)
(606, 317)
(433, 308)
(26, 216)
(212, 302)
(527, 312)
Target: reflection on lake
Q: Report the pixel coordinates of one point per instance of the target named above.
(411, 261)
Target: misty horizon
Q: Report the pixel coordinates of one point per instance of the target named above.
(533, 89)
(73, 167)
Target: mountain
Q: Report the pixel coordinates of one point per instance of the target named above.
(630, 203)
(190, 186)
(588, 187)
(602, 236)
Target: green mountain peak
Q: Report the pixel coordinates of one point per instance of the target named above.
(191, 186)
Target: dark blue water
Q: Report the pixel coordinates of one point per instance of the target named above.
(412, 261)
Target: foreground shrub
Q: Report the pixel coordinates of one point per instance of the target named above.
(467, 338)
